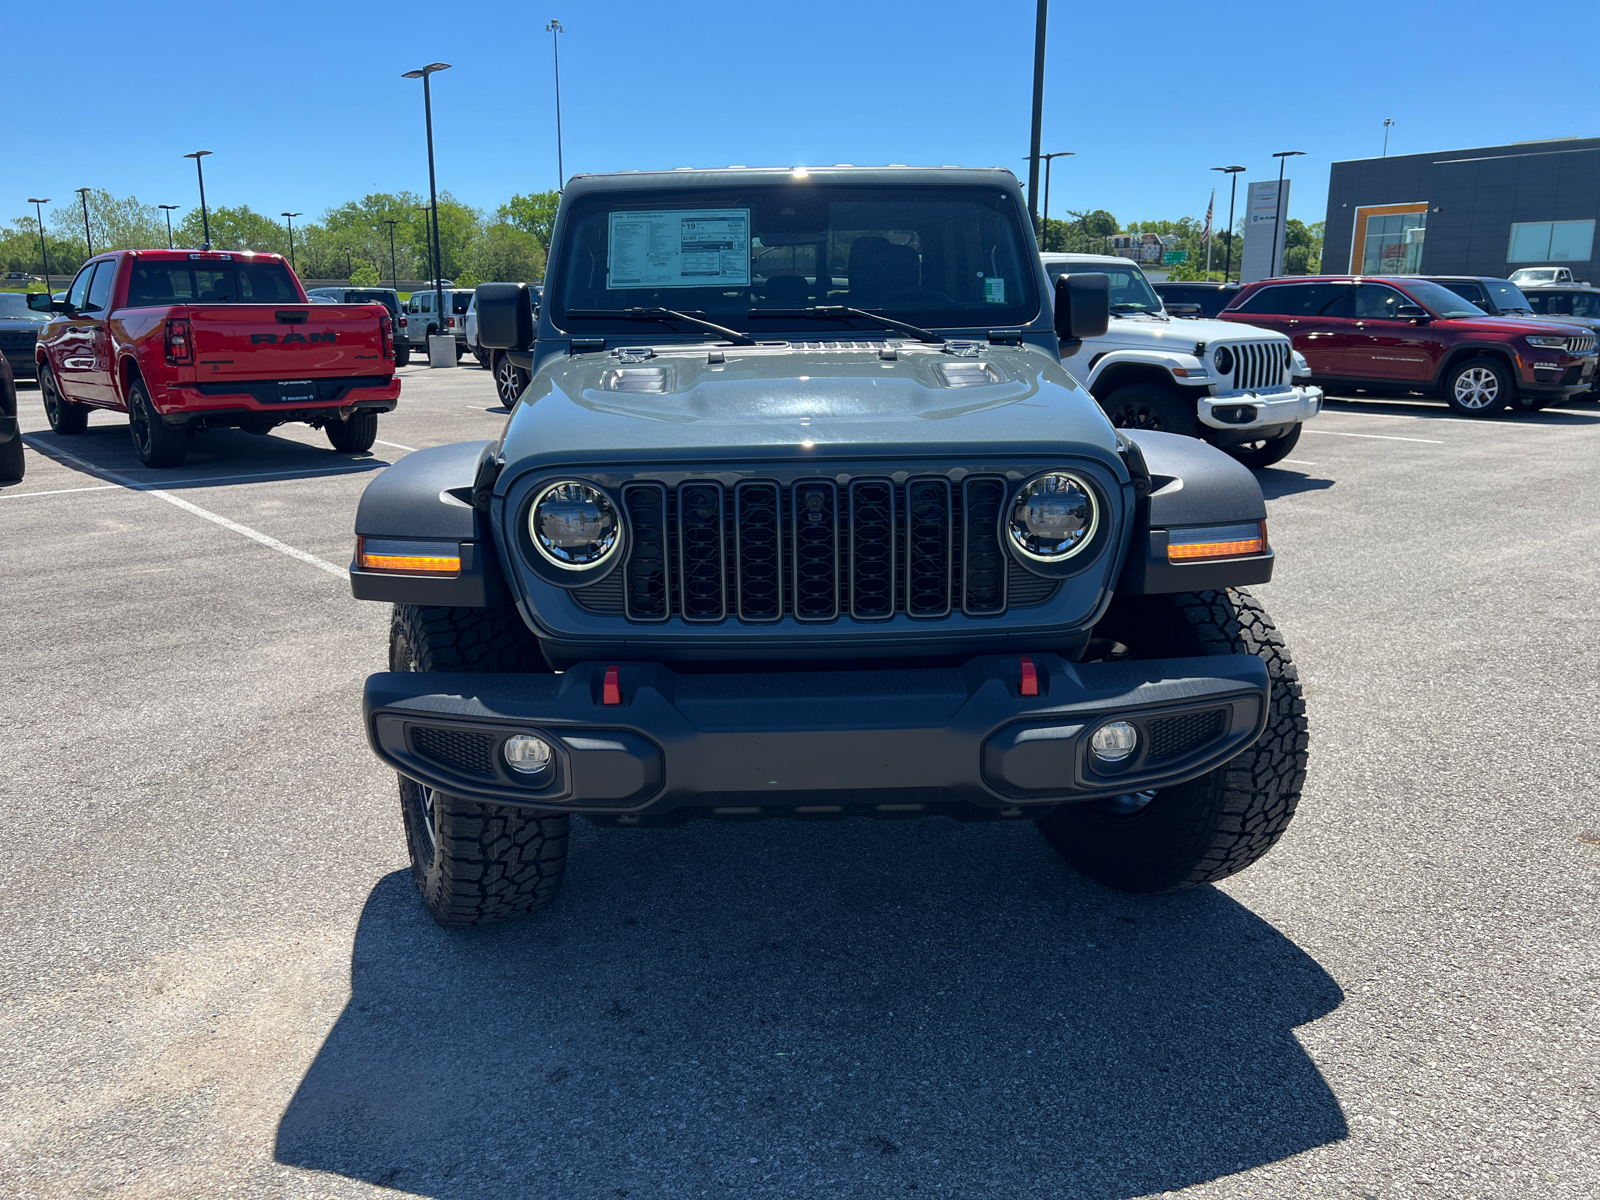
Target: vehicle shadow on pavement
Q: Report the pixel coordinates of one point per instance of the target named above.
(850, 1009)
(1277, 482)
(1573, 412)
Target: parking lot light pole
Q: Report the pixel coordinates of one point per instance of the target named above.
(1038, 113)
(433, 188)
(83, 195)
(555, 31)
(394, 276)
(289, 219)
(167, 211)
(1233, 194)
(1282, 156)
(1388, 123)
(1049, 161)
(44, 251)
(205, 218)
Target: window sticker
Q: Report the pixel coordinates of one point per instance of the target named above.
(683, 248)
(994, 290)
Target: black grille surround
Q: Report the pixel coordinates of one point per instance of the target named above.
(855, 547)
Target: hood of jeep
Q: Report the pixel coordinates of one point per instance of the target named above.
(780, 401)
(1175, 335)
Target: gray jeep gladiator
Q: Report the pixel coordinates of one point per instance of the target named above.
(800, 515)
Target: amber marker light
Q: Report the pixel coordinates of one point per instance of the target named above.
(1217, 541)
(406, 558)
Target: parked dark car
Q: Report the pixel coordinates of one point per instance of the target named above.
(1197, 298)
(11, 465)
(19, 331)
(1577, 303)
(1403, 334)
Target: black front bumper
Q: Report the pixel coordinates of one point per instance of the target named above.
(818, 741)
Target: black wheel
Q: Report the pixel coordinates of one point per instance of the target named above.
(1217, 825)
(12, 467)
(402, 355)
(482, 355)
(474, 863)
(65, 417)
(1145, 406)
(354, 436)
(1480, 387)
(1263, 452)
(461, 351)
(154, 442)
(509, 380)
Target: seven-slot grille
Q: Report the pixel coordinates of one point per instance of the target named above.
(1259, 364)
(1581, 343)
(815, 550)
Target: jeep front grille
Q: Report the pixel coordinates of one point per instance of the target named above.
(1582, 343)
(816, 550)
(1259, 365)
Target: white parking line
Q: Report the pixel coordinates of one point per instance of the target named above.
(133, 485)
(397, 446)
(1382, 437)
(99, 487)
(1300, 462)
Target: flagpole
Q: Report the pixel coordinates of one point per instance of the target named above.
(1209, 238)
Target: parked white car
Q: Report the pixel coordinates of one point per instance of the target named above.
(1540, 276)
(1239, 387)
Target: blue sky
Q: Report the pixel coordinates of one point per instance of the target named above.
(304, 106)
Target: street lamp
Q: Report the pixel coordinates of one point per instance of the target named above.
(289, 220)
(167, 209)
(205, 219)
(433, 189)
(1038, 113)
(44, 251)
(394, 275)
(1387, 122)
(1233, 193)
(555, 31)
(83, 195)
(1282, 156)
(1049, 161)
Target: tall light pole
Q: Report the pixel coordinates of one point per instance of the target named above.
(289, 220)
(205, 218)
(167, 209)
(394, 275)
(1049, 161)
(1283, 156)
(433, 188)
(44, 251)
(1233, 193)
(1038, 113)
(1387, 123)
(83, 195)
(555, 31)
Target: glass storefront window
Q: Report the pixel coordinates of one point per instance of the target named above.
(1551, 241)
(1393, 244)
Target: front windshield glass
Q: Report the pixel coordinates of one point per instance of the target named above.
(14, 307)
(751, 257)
(1130, 290)
(1507, 296)
(1441, 301)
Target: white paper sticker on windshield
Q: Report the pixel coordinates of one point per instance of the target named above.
(994, 290)
(708, 247)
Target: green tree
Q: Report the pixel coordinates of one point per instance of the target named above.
(233, 228)
(1302, 247)
(503, 253)
(117, 223)
(1085, 233)
(534, 213)
(366, 275)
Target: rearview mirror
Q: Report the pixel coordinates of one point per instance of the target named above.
(1083, 306)
(1411, 312)
(505, 316)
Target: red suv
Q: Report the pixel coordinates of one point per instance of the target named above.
(1412, 335)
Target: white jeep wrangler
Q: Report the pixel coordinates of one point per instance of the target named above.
(1234, 385)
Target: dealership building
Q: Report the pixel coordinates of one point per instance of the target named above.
(1467, 212)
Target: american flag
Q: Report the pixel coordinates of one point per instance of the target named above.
(1205, 234)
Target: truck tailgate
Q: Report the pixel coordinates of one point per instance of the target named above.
(287, 341)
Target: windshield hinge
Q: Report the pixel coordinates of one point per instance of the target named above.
(963, 349)
(583, 344)
(1005, 337)
(635, 354)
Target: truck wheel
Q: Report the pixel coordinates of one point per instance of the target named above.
(1217, 825)
(1263, 452)
(65, 417)
(509, 380)
(474, 863)
(402, 355)
(154, 443)
(356, 435)
(1480, 387)
(1143, 406)
(12, 467)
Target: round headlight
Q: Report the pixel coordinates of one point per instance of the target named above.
(574, 525)
(1053, 517)
(1223, 358)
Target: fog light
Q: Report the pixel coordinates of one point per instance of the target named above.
(1114, 741)
(527, 754)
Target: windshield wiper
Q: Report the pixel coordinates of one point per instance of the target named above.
(834, 311)
(663, 314)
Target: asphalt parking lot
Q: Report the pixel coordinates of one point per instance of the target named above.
(217, 978)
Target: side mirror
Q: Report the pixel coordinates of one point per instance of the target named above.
(505, 316)
(1083, 306)
(41, 302)
(1411, 312)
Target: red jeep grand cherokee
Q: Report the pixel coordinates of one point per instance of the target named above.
(1411, 335)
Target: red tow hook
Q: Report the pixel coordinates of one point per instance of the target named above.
(1030, 678)
(611, 693)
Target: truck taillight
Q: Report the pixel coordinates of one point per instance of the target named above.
(388, 335)
(180, 342)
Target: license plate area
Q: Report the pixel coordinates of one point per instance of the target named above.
(297, 391)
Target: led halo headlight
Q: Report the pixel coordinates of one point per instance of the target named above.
(1053, 517)
(574, 525)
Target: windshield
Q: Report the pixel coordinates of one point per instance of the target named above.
(939, 256)
(373, 296)
(1507, 296)
(154, 284)
(1130, 290)
(1441, 301)
(14, 306)
(459, 301)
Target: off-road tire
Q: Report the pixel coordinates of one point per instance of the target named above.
(509, 379)
(156, 444)
(1466, 387)
(1217, 825)
(402, 355)
(1146, 406)
(1265, 451)
(65, 417)
(12, 467)
(474, 863)
(354, 436)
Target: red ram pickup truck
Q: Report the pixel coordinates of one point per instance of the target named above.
(185, 340)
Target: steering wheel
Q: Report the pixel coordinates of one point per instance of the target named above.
(911, 295)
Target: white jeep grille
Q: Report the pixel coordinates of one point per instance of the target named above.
(1259, 364)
